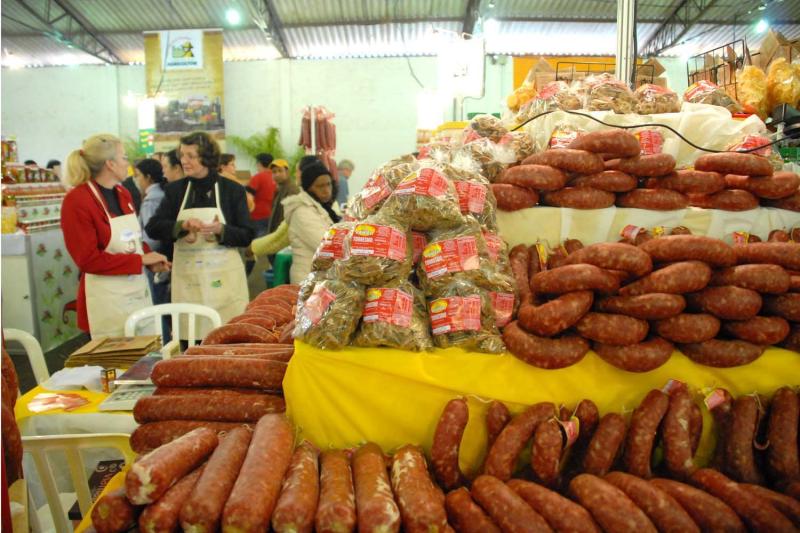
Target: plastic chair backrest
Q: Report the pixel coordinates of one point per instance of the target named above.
(71, 445)
(33, 350)
(175, 310)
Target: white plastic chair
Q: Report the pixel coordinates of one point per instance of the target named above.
(175, 310)
(32, 349)
(71, 445)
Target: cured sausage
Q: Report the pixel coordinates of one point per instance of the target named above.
(654, 199)
(465, 515)
(544, 352)
(617, 330)
(688, 328)
(721, 353)
(272, 355)
(219, 372)
(502, 456)
(792, 342)
(538, 177)
(336, 511)
(579, 198)
(560, 513)
(447, 442)
(519, 257)
(613, 256)
(497, 416)
(421, 502)
(512, 198)
(739, 453)
(646, 165)
(727, 302)
(790, 507)
(231, 333)
(790, 203)
(778, 235)
(615, 142)
(677, 278)
(506, 508)
(766, 330)
(764, 278)
(375, 505)
(260, 321)
(689, 182)
(608, 180)
(650, 306)
(695, 427)
(727, 200)
(673, 248)
(605, 445)
(588, 416)
(782, 454)
(297, 503)
(779, 185)
(734, 163)
(237, 349)
(219, 393)
(785, 305)
(571, 160)
(113, 512)
(10, 379)
(642, 433)
(785, 254)
(642, 357)
(163, 515)
(707, 511)
(680, 230)
(262, 472)
(662, 509)
(677, 437)
(556, 315)
(226, 408)
(609, 506)
(570, 278)
(148, 437)
(12, 444)
(719, 404)
(202, 510)
(548, 445)
(150, 477)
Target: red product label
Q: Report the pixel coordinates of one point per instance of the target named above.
(702, 86)
(470, 135)
(317, 304)
(418, 242)
(493, 243)
(505, 139)
(449, 256)
(572, 429)
(426, 182)
(378, 241)
(456, 313)
(392, 306)
(503, 304)
(471, 196)
(549, 90)
(753, 141)
(332, 245)
(630, 231)
(714, 399)
(562, 138)
(376, 189)
(424, 151)
(651, 141)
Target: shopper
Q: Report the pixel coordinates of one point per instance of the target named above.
(309, 214)
(55, 166)
(262, 187)
(206, 216)
(345, 170)
(303, 162)
(286, 188)
(103, 237)
(171, 163)
(227, 169)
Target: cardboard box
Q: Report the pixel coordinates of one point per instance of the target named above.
(120, 345)
(775, 46)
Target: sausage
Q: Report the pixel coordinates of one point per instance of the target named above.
(765, 278)
(607, 180)
(605, 445)
(202, 510)
(286, 335)
(280, 313)
(650, 306)
(148, 437)
(734, 163)
(219, 372)
(12, 444)
(789, 507)
(588, 416)
(739, 453)
(556, 257)
(556, 315)
(543, 352)
(465, 515)
(785, 254)
(538, 177)
(779, 185)
(778, 235)
(674, 248)
(219, 393)
(677, 278)
(260, 321)
(677, 437)
(560, 513)
(10, 378)
(579, 198)
(150, 477)
(792, 342)
(336, 511)
(707, 511)
(782, 455)
(230, 333)
(548, 445)
(614, 142)
(571, 278)
(375, 505)
(502, 456)
(497, 416)
(571, 160)
(163, 515)
(272, 355)
(792, 489)
(642, 433)
(519, 257)
(262, 472)
(727, 200)
(506, 508)
(727, 302)
(785, 305)
(756, 512)
(237, 349)
(759, 330)
(695, 427)
(224, 408)
(447, 442)
(609, 506)
(653, 199)
(613, 256)
(421, 502)
(688, 328)
(646, 165)
(662, 509)
(722, 353)
(617, 330)
(689, 182)
(572, 245)
(720, 404)
(512, 198)
(641, 357)
(680, 230)
(297, 503)
(113, 512)
(790, 203)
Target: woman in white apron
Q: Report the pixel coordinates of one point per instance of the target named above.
(207, 217)
(103, 236)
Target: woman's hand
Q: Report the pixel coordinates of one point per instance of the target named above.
(166, 266)
(192, 225)
(212, 228)
(151, 259)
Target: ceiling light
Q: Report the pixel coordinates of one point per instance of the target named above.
(233, 17)
(490, 26)
(762, 7)
(490, 5)
(762, 26)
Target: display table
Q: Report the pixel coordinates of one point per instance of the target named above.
(343, 398)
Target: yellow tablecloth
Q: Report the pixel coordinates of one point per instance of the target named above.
(116, 482)
(340, 399)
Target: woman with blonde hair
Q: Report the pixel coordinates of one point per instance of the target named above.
(103, 236)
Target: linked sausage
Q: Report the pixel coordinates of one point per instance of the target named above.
(570, 278)
(680, 230)
(782, 455)
(653, 199)
(556, 315)
(163, 515)
(727, 200)
(260, 321)
(785, 305)
(579, 198)
(778, 235)
(642, 433)
(375, 505)
(219, 372)
(465, 515)
(519, 257)
(113, 513)
(707, 511)
(789, 507)
(148, 437)
(614, 142)
(766, 330)
(538, 259)
(792, 342)
(231, 333)
(571, 160)
(336, 511)
(224, 408)
(677, 437)
(608, 180)
(764, 278)
(739, 452)
(779, 185)
(613, 256)
(447, 442)
(720, 404)
(262, 472)
(722, 353)
(688, 328)
(651, 306)
(544, 352)
(421, 502)
(588, 416)
(662, 509)
(512, 198)
(12, 444)
(538, 177)
(221, 393)
(689, 182)
(609, 506)
(727, 302)
(605, 445)
(785, 254)
(695, 427)
(646, 166)
(675, 248)
(297, 503)
(734, 163)
(617, 330)
(790, 203)
(556, 257)
(272, 355)
(237, 349)
(506, 508)
(642, 357)
(497, 416)
(560, 513)
(502, 456)
(548, 445)
(677, 278)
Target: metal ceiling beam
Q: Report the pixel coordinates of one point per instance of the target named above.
(471, 16)
(686, 14)
(276, 32)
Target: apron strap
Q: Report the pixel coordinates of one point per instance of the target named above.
(216, 199)
(185, 194)
(92, 186)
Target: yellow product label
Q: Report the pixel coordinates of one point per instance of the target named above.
(365, 230)
(374, 294)
(542, 253)
(437, 306)
(432, 250)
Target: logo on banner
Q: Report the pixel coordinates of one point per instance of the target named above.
(182, 49)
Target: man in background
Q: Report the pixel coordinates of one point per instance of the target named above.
(262, 187)
(286, 187)
(55, 166)
(345, 168)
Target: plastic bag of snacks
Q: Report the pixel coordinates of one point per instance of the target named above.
(395, 315)
(371, 197)
(751, 88)
(521, 95)
(333, 246)
(563, 135)
(487, 126)
(783, 84)
(491, 157)
(520, 143)
(425, 200)
(454, 254)
(705, 92)
(328, 317)
(652, 99)
(651, 141)
(377, 251)
(606, 93)
(462, 315)
(398, 169)
(475, 197)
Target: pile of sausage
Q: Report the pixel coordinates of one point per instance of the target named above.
(12, 439)
(605, 168)
(721, 304)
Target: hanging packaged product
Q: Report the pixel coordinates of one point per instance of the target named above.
(425, 200)
(328, 318)
(378, 251)
(395, 316)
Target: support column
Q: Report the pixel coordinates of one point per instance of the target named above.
(626, 26)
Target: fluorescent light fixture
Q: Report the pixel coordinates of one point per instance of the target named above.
(233, 16)
(762, 7)
(762, 26)
(490, 26)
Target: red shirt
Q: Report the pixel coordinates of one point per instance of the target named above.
(263, 191)
(86, 234)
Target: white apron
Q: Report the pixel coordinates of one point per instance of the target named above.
(110, 299)
(207, 273)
